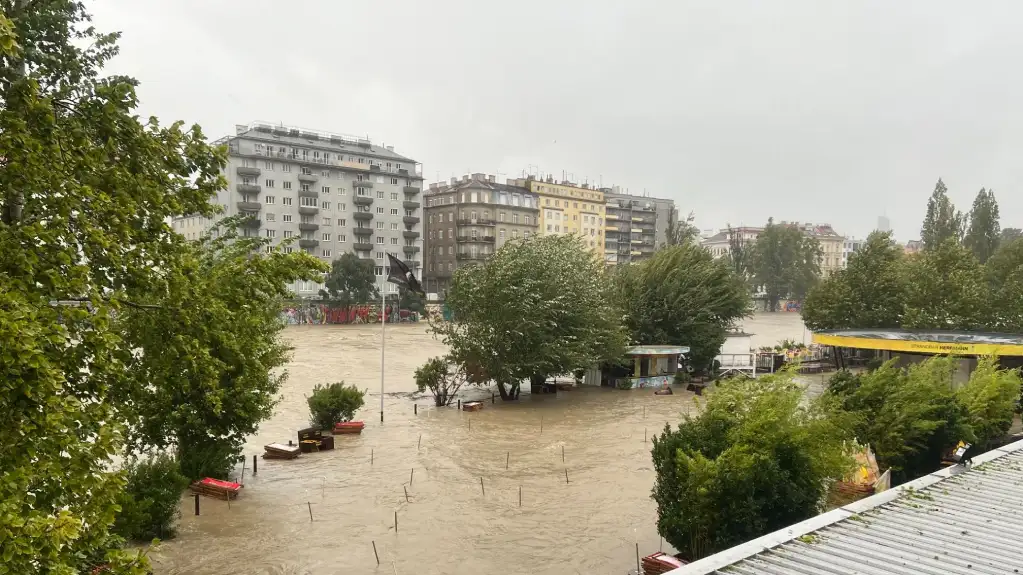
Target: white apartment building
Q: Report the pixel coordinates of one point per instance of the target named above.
(327, 194)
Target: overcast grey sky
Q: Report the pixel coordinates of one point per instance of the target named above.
(823, 110)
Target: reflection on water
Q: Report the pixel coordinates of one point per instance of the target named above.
(590, 524)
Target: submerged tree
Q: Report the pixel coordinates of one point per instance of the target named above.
(204, 390)
(443, 378)
(755, 460)
(536, 308)
(682, 296)
(86, 192)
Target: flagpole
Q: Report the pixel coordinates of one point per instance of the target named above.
(383, 343)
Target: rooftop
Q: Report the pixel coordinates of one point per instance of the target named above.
(292, 136)
(954, 521)
(924, 341)
(477, 180)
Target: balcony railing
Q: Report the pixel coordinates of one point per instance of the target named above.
(308, 210)
(362, 184)
(310, 193)
(311, 178)
(308, 243)
(411, 249)
(363, 216)
(410, 234)
(410, 205)
(245, 206)
(362, 200)
(476, 222)
(249, 188)
(411, 190)
(308, 226)
(250, 223)
(470, 256)
(247, 171)
(362, 231)
(362, 247)
(410, 220)
(481, 239)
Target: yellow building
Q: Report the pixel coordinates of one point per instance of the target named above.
(567, 208)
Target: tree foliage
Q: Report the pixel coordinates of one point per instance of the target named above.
(755, 460)
(944, 288)
(442, 378)
(150, 502)
(682, 296)
(1005, 280)
(334, 403)
(681, 232)
(536, 308)
(786, 263)
(86, 191)
(740, 253)
(943, 221)
(990, 397)
(868, 293)
(350, 281)
(209, 386)
(983, 233)
(1009, 235)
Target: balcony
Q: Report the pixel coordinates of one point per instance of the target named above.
(411, 190)
(362, 184)
(410, 205)
(249, 188)
(244, 206)
(362, 200)
(476, 222)
(362, 247)
(308, 243)
(308, 226)
(362, 231)
(363, 216)
(250, 223)
(308, 210)
(481, 239)
(410, 220)
(470, 256)
(410, 235)
(310, 193)
(411, 249)
(308, 178)
(247, 171)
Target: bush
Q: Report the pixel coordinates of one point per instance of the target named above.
(438, 376)
(208, 458)
(990, 396)
(150, 500)
(334, 403)
(757, 459)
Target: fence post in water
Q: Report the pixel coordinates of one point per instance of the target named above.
(644, 435)
(520, 496)
(638, 568)
(481, 487)
(459, 405)
(371, 456)
(196, 503)
(541, 425)
(375, 554)
(566, 475)
(420, 444)
(395, 522)
(255, 466)
(507, 460)
(644, 412)
(406, 493)
(562, 453)
(410, 476)
(310, 510)
(492, 398)
(415, 409)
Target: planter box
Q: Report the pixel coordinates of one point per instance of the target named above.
(349, 428)
(216, 488)
(281, 451)
(472, 406)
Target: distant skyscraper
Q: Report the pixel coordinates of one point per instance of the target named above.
(884, 224)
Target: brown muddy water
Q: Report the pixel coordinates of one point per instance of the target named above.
(449, 524)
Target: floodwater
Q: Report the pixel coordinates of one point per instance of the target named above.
(579, 461)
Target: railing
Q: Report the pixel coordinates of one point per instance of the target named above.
(476, 222)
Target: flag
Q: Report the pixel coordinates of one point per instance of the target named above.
(400, 274)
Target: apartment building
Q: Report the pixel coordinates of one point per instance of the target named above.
(832, 245)
(720, 244)
(851, 246)
(568, 208)
(634, 226)
(327, 193)
(468, 219)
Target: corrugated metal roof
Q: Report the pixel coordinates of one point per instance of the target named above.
(953, 521)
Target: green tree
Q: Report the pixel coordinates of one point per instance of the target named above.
(758, 458)
(334, 403)
(1004, 273)
(681, 232)
(786, 263)
(990, 396)
(740, 253)
(907, 416)
(682, 296)
(86, 191)
(442, 378)
(536, 308)
(1009, 235)
(204, 390)
(350, 281)
(868, 293)
(943, 221)
(983, 232)
(151, 500)
(945, 288)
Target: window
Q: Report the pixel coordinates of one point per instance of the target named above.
(394, 196)
(380, 239)
(341, 238)
(342, 192)
(268, 166)
(515, 218)
(325, 237)
(378, 270)
(380, 210)
(394, 211)
(286, 217)
(306, 171)
(268, 200)
(288, 249)
(286, 202)
(451, 251)
(327, 221)
(451, 216)
(271, 217)
(305, 187)
(451, 233)
(271, 233)
(288, 234)
(325, 190)
(449, 266)
(525, 235)
(550, 227)
(394, 226)
(325, 173)
(394, 241)
(269, 249)
(286, 185)
(380, 194)
(326, 253)
(325, 205)
(285, 167)
(515, 234)
(341, 222)
(501, 235)
(380, 255)
(307, 202)
(342, 207)
(380, 225)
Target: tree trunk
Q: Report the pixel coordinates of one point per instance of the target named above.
(503, 391)
(515, 389)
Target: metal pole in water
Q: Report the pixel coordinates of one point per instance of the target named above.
(255, 466)
(481, 487)
(383, 344)
(406, 493)
(310, 511)
(638, 569)
(375, 554)
(520, 496)
(507, 460)
(566, 475)
(197, 504)
(396, 522)
(410, 476)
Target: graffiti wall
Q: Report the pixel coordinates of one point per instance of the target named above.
(322, 314)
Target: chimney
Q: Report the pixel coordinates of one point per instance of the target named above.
(491, 179)
(390, 148)
(454, 180)
(240, 129)
(479, 177)
(434, 186)
(465, 178)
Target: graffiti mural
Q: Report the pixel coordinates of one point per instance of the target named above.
(795, 306)
(322, 314)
